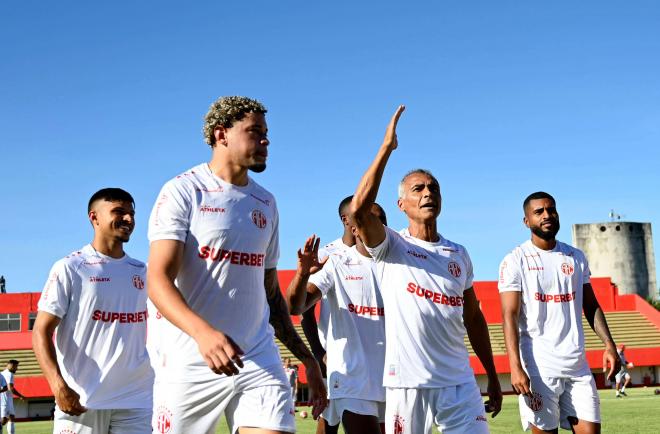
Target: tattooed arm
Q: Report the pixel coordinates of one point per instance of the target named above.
(286, 333)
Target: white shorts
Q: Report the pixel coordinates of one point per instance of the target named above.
(125, 421)
(7, 407)
(621, 376)
(336, 408)
(554, 400)
(454, 410)
(259, 399)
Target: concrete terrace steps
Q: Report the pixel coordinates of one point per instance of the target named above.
(28, 365)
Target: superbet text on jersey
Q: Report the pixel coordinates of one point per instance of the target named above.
(230, 236)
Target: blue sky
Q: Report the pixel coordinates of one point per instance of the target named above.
(503, 99)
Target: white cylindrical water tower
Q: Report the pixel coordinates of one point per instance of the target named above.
(620, 250)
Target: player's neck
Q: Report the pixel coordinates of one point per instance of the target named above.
(543, 244)
(425, 231)
(108, 247)
(361, 249)
(227, 171)
(348, 239)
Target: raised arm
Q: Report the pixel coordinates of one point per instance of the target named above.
(42, 342)
(286, 333)
(510, 301)
(596, 319)
(477, 331)
(370, 229)
(220, 352)
(302, 295)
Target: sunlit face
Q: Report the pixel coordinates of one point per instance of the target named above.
(246, 141)
(421, 199)
(113, 219)
(542, 219)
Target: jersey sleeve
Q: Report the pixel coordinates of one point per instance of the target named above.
(56, 294)
(469, 276)
(381, 251)
(273, 249)
(170, 216)
(586, 272)
(510, 278)
(324, 279)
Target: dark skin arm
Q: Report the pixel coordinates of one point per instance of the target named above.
(596, 319)
(477, 331)
(286, 333)
(301, 295)
(510, 301)
(311, 330)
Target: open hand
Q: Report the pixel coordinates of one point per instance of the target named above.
(390, 139)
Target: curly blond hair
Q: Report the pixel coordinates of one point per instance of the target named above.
(227, 109)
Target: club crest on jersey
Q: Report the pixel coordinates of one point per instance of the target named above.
(398, 424)
(259, 219)
(567, 269)
(163, 420)
(138, 282)
(535, 403)
(454, 269)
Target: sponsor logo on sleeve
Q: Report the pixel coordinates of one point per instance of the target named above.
(454, 269)
(138, 282)
(259, 219)
(502, 268)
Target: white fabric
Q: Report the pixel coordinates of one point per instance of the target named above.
(230, 236)
(556, 399)
(455, 409)
(100, 341)
(550, 322)
(124, 421)
(336, 407)
(185, 408)
(356, 329)
(6, 398)
(424, 305)
(336, 247)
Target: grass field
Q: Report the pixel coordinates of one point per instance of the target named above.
(636, 414)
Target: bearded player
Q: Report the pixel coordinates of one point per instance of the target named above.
(544, 287)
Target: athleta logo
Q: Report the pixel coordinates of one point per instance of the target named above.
(557, 298)
(98, 262)
(567, 269)
(436, 297)
(353, 277)
(217, 189)
(138, 282)
(366, 310)
(259, 219)
(264, 201)
(454, 269)
(94, 279)
(234, 257)
(122, 317)
(163, 420)
(398, 425)
(417, 255)
(206, 208)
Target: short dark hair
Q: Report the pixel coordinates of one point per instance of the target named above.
(345, 202)
(111, 195)
(383, 216)
(13, 362)
(537, 195)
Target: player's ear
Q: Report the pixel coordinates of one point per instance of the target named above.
(399, 203)
(525, 221)
(220, 135)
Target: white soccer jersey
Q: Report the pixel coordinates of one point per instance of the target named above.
(100, 341)
(337, 247)
(231, 237)
(356, 328)
(422, 284)
(7, 378)
(550, 322)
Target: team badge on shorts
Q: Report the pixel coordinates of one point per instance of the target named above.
(398, 425)
(567, 269)
(138, 282)
(535, 403)
(259, 219)
(163, 420)
(454, 269)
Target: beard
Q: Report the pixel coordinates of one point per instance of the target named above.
(257, 167)
(547, 235)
